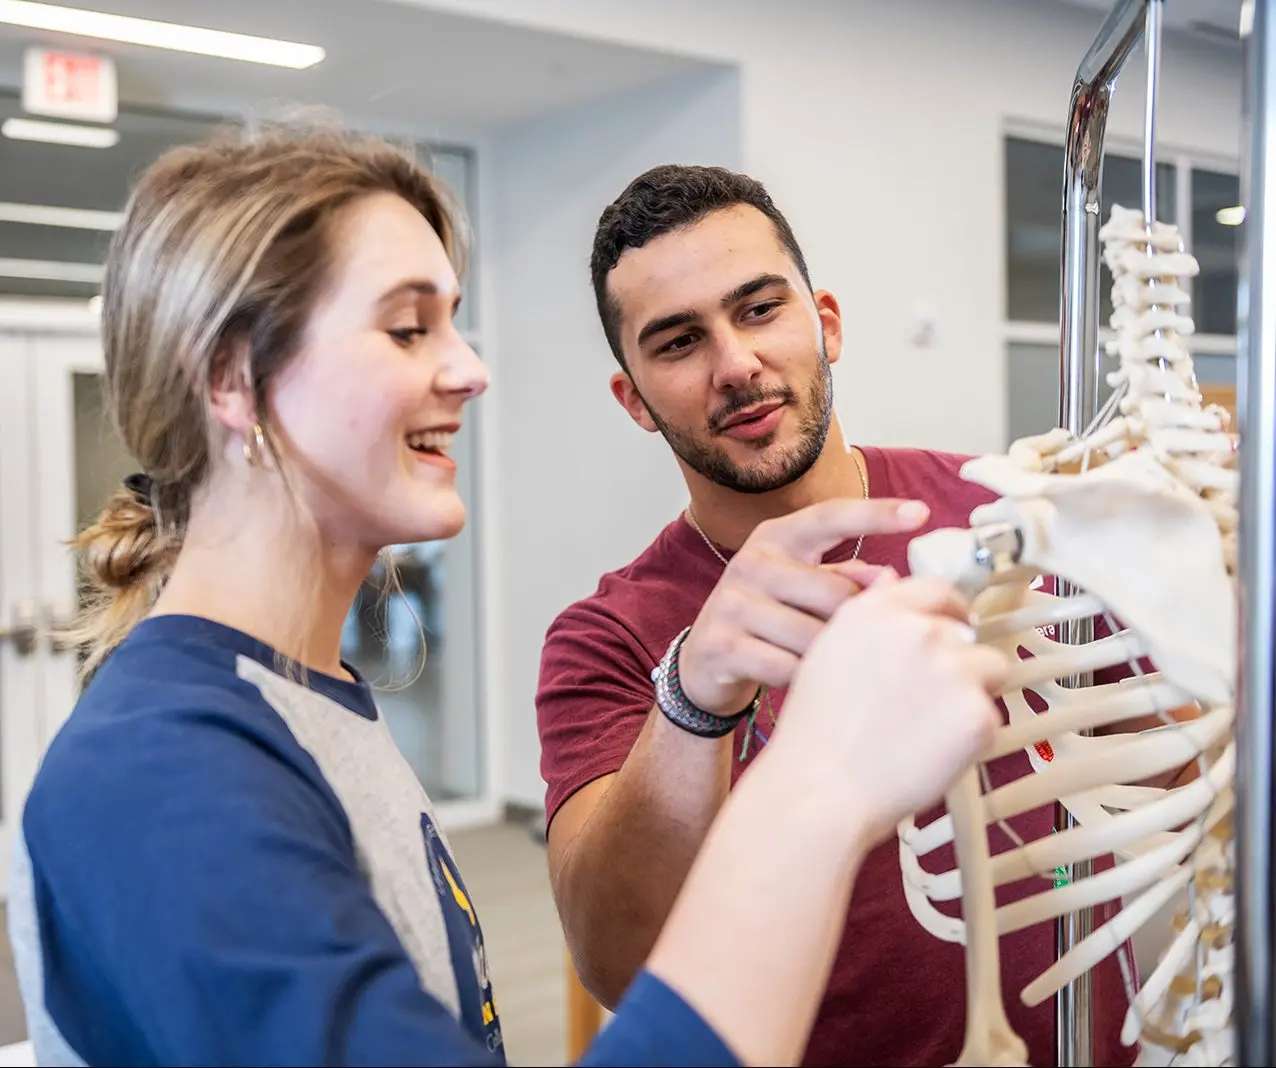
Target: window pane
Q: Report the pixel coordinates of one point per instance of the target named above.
(1217, 249)
(416, 639)
(1032, 389)
(455, 168)
(1034, 230)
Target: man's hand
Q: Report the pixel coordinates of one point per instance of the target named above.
(775, 597)
(893, 700)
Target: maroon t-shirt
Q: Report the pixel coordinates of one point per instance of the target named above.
(896, 995)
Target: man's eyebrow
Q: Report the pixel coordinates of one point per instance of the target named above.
(747, 289)
(666, 322)
(685, 318)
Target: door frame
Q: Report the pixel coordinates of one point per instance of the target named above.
(22, 737)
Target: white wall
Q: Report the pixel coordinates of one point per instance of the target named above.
(877, 125)
(579, 489)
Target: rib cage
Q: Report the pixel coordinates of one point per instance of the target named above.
(1111, 515)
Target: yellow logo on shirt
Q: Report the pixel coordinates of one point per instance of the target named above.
(458, 895)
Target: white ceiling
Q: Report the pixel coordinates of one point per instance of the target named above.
(390, 67)
(388, 64)
(414, 70)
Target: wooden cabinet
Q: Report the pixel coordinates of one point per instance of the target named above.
(1224, 397)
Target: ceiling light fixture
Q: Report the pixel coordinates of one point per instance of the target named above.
(59, 133)
(1230, 216)
(70, 218)
(171, 35)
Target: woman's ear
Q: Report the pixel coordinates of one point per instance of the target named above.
(231, 392)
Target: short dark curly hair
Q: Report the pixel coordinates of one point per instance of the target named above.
(670, 197)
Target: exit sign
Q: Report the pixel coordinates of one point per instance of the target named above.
(67, 85)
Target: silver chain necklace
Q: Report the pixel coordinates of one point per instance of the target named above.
(859, 467)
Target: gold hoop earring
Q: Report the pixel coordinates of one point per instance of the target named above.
(255, 450)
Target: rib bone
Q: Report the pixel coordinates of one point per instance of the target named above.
(1140, 517)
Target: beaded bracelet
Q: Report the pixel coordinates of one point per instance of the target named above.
(676, 706)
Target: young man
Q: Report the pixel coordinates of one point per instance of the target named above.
(725, 349)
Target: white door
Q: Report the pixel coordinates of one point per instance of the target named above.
(21, 653)
(42, 373)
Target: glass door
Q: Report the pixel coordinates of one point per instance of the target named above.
(413, 635)
(414, 638)
(78, 459)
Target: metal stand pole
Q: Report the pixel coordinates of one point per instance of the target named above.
(1256, 580)
(1079, 401)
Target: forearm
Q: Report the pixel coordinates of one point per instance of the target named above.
(618, 876)
(759, 985)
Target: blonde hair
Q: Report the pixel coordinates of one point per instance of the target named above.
(221, 242)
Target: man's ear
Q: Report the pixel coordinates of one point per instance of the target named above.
(231, 393)
(830, 314)
(627, 396)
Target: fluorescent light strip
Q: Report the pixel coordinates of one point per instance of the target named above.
(171, 35)
(52, 271)
(70, 218)
(60, 133)
(1230, 216)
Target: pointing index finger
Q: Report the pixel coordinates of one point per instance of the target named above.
(811, 532)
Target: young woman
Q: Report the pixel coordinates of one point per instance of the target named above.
(223, 859)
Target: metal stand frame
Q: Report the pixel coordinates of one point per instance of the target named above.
(1256, 413)
(1079, 373)
(1129, 20)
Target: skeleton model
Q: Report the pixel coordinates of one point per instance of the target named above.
(1135, 519)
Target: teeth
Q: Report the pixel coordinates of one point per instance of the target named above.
(433, 440)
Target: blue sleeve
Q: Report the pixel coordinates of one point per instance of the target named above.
(654, 1026)
(199, 902)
